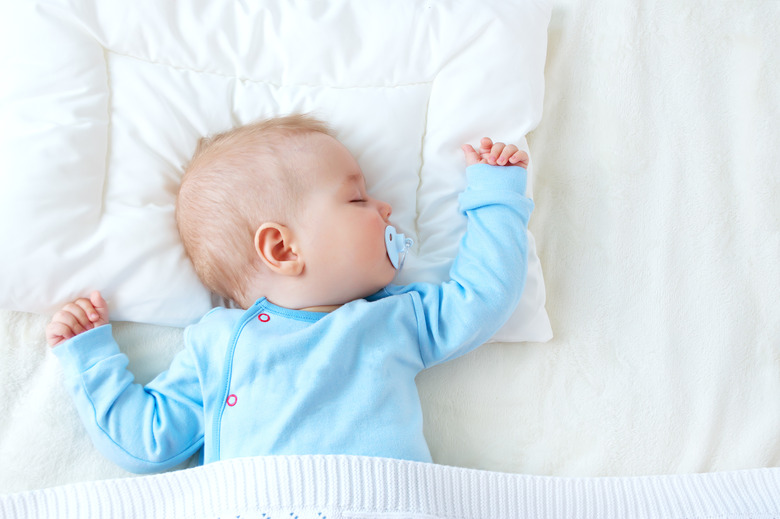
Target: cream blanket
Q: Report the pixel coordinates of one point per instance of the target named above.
(658, 227)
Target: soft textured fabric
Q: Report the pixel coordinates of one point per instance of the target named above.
(350, 487)
(271, 381)
(106, 102)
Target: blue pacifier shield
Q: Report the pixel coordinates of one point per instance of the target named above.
(397, 246)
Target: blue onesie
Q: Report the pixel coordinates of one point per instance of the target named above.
(269, 380)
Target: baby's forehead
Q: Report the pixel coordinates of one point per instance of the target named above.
(328, 158)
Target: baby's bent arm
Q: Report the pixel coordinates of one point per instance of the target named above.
(141, 429)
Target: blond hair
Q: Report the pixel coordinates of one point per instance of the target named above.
(235, 181)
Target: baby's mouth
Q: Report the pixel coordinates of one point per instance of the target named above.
(397, 246)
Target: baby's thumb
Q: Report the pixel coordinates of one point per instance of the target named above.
(101, 307)
(472, 157)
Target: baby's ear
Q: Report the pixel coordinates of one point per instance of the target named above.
(275, 245)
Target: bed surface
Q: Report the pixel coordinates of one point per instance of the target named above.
(658, 230)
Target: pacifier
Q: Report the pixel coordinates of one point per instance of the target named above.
(397, 246)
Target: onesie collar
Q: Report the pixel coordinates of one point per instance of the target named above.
(264, 304)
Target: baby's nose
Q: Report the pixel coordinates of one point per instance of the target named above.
(385, 210)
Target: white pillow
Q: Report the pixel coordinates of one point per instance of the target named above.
(102, 103)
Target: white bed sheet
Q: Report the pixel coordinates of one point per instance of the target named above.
(658, 228)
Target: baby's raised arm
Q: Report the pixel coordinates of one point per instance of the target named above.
(77, 317)
(488, 275)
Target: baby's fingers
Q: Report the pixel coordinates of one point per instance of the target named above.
(100, 307)
(76, 316)
(89, 312)
(57, 332)
(519, 159)
(485, 145)
(495, 152)
(506, 154)
(472, 157)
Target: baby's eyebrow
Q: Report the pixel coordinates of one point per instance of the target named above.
(355, 178)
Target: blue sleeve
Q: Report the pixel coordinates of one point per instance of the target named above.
(142, 429)
(488, 275)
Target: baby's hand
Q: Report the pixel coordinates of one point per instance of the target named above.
(77, 317)
(497, 154)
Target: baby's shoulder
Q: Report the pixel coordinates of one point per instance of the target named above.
(407, 293)
(214, 326)
(396, 300)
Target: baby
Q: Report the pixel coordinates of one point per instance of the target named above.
(322, 357)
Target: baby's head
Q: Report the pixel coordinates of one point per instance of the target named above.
(279, 209)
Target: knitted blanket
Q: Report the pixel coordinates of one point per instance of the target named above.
(350, 487)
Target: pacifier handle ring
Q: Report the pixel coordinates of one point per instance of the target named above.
(397, 246)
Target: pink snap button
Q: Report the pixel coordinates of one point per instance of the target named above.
(232, 400)
(264, 318)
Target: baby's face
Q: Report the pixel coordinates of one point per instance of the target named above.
(340, 227)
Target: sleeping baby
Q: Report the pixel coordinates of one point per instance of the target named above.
(322, 356)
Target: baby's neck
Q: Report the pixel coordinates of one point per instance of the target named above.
(292, 306)
(323, 308)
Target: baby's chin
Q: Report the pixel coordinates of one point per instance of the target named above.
(388, 277)
(368, 285)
